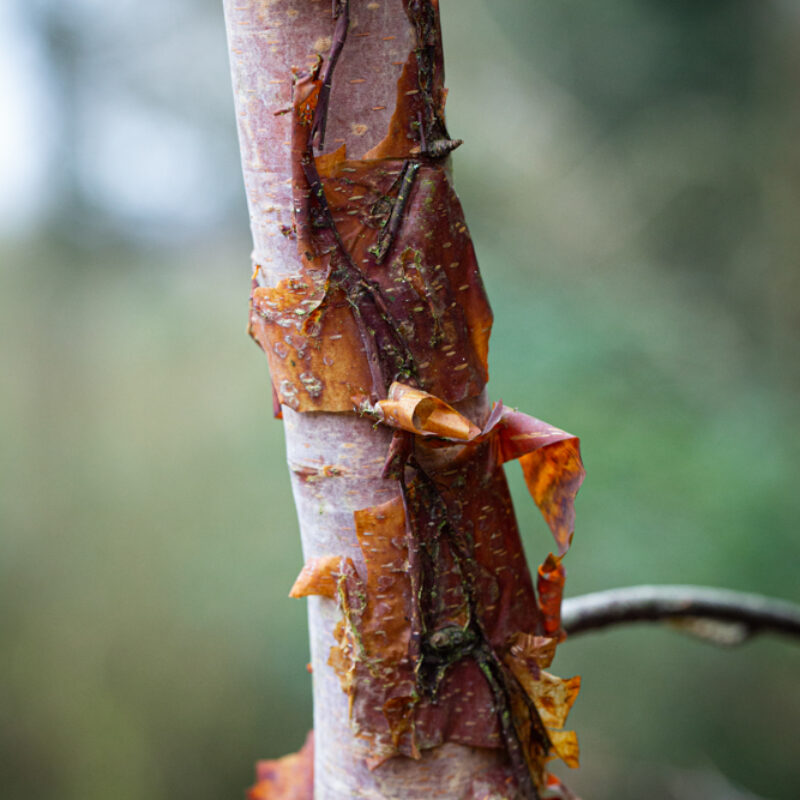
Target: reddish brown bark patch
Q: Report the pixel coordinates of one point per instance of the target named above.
(550, 585)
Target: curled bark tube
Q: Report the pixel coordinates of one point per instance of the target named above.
(369, 305)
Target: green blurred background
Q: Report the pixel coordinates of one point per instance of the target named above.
(631, 176)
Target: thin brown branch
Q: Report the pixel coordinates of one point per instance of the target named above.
(718, 615)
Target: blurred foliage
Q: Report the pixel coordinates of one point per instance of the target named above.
(630, 175)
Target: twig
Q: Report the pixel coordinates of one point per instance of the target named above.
(719, 615)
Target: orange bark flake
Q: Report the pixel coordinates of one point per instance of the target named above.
(287, 778)
(550, 585)
(384, 621)
(310, 349)
(319, 576)
(553, 696)
(565, 747)
(343, 661)
(423, 414)
(552, 466)
(371, 653)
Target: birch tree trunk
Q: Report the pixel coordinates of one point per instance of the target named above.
(375, 324)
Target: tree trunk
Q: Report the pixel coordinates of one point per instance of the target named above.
(426, 635)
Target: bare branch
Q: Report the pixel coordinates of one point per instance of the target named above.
(718, 615)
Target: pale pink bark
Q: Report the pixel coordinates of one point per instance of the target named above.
(267, 38)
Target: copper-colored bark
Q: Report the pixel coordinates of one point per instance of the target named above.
(427, 637)
(287, 778)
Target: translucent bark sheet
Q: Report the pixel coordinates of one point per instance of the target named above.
(550, 585)
(319, 577)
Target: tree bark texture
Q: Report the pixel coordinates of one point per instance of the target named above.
(428, 642)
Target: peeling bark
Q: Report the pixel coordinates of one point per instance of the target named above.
(427, 639)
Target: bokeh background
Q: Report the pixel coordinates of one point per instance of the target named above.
(631, 175)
